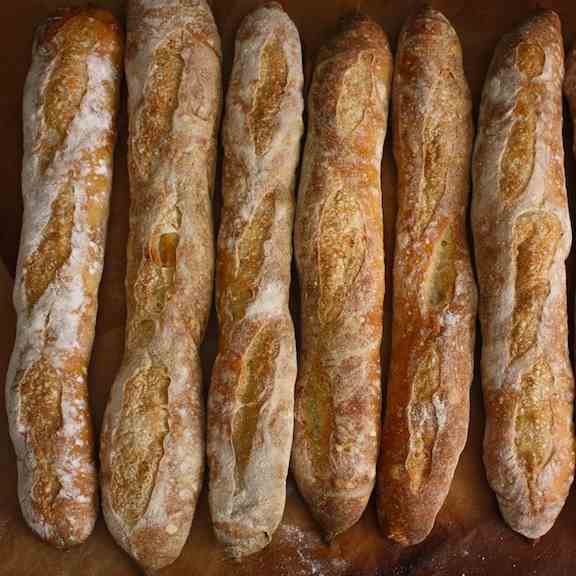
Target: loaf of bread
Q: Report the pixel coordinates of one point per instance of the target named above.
(522, 237)
(251, 400)
(340, 258)
(152, 447)
(434, 315)
(69, 110)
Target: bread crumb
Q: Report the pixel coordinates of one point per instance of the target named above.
(171, 529)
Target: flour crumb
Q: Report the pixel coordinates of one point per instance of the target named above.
(305, 562)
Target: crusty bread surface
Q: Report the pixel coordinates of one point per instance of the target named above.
(251, 398)
(152, 444)
(339, 250)
(69, 111)
(434, 292)
(522, 238)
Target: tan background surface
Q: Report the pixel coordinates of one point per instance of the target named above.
(469, 537)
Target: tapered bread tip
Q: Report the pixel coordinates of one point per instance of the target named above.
(272, 6)
(248, 546)
(427, 20)
(542, 18)
(427, 11)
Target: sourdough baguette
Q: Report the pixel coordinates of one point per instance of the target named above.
(69, 111)
(152, 449)
(251, 400)
(522, 237)
(434, 316)
(340, 257)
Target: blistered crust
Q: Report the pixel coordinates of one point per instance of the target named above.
(340, 259)
(70, 104)
(522, 235)
(250, 405)
(152, 447)
(427, 406)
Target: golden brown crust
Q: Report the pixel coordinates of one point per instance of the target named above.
(70, 104)
(90, 19)
(427, 406)
(250, 407)
(152, 446)
(522, 238)
(340, 259)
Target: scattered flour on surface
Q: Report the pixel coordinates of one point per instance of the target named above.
(305, 562)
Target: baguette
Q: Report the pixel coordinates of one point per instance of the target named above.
(340, 258)
(251, 400)
(432, 361)
(152, 447)
(522, 238)
(69, 111)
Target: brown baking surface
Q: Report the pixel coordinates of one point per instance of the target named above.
(469, 538)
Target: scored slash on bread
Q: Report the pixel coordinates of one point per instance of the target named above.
(340, 260)
(522, 237)
(152, 443)
(251, 398)
(69, 111)
(434, 308)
